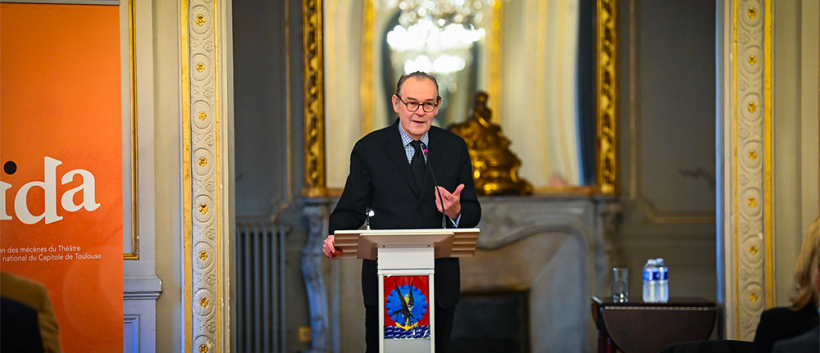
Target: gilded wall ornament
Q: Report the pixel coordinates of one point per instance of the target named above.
(495, 167)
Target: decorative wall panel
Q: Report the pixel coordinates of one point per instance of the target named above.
(672, 163)
(204, 261)
(751, 187)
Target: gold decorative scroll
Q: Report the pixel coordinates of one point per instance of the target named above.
(607, 168)
(315, 178)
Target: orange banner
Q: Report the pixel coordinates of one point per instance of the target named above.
(61, 215)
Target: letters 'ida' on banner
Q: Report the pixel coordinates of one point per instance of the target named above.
(61, 216)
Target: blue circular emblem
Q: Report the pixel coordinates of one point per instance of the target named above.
(406, 305)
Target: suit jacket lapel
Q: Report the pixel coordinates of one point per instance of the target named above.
(395, 150)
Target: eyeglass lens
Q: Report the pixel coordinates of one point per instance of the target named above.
(413, 106)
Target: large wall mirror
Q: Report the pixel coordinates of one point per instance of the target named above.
(547, 66)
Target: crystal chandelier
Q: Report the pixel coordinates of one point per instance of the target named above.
(444, 12)
(435, 35)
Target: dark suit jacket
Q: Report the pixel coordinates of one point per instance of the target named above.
(808, 342)
(34, 295)
(19, 328)
(781, 323)
(380, 178)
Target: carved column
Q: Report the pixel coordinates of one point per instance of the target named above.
(747, 203)
(206, 181)
(312, 256)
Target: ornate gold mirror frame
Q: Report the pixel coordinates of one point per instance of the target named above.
(605, 111)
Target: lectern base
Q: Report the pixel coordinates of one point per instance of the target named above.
(408, 253)
(407, 262)
(410, 346)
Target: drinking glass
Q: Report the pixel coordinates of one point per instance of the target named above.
(620, 284)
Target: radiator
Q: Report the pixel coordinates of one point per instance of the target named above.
(260, 283)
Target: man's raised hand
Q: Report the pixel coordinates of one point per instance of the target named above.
(452, 201)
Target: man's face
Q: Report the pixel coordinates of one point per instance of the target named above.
(416, 124)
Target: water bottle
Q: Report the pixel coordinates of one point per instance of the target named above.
(650, 278)
(663, 281)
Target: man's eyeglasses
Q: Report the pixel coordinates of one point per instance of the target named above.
(414, 106)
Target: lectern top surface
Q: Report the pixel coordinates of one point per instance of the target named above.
(450, 242)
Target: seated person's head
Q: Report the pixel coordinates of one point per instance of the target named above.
(806, 269)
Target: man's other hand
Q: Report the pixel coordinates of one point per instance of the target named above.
(452, 202)
(329, 249)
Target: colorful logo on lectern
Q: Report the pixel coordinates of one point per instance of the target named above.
(406, 306)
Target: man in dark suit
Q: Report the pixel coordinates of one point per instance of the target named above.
(388, 175)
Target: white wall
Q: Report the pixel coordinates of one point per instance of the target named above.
(667, 141)
(168, 177)
(795, 129)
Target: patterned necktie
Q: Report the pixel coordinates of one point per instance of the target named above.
(417, 164)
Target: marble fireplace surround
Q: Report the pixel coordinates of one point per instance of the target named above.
(558, 247)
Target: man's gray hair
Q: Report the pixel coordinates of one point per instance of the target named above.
(419, 76)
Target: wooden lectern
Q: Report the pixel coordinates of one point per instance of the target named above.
(406, 270)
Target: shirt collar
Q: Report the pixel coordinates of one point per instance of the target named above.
(406, 139)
